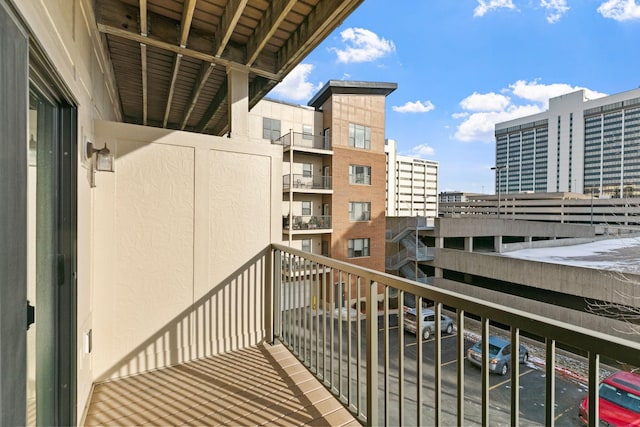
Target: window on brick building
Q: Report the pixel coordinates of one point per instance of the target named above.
(359, 136)
(359, 211)
(358, 248)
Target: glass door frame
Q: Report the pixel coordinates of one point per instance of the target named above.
(56, 251)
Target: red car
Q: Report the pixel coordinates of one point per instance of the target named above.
(619, 400)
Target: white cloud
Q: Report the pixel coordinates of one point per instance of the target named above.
(481, 126)
(485, 102)
(362, 45)
(534, 91)
(296, 87)
(414, 107)
(422, 150)
(485, 6)
(620, 10)
(556, 9)
(483, 111)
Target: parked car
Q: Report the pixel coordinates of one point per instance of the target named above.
(499, 354)
(428, 324)
(346, 314)
(619, 401)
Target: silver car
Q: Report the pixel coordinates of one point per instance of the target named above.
(428, 324)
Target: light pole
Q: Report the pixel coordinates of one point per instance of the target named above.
(498, 169)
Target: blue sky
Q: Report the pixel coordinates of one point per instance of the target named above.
(463, 65)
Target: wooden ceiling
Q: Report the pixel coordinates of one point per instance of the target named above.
(170, 57)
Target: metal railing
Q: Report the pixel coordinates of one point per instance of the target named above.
(337, 319)
(309, 222)
(304, 140)
(299, 181)
(575, 208)
(423, 253)
(407, 224)
(411, 272)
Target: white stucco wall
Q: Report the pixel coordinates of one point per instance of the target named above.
(182, 231)
(292, 118)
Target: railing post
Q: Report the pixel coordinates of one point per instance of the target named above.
(372, 354)
(594, 392)
(460, 365)
(550, 381)
(275, 276)
(485, 370)
(515, 376)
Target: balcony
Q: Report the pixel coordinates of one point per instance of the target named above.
(359, 357)
(306, 184)
(304, 142)
(385, 380)
(307, 224)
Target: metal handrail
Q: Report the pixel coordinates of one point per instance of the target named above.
(312, 318)
(304, 140)
(311, 222)
(300, 181)
(408, 224)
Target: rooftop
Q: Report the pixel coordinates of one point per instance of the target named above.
(621, 255)
(352, 88)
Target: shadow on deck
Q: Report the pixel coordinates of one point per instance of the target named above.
(262, 385)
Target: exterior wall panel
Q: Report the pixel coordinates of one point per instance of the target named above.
(181, 229)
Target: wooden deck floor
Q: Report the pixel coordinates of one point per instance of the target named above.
(263, 385)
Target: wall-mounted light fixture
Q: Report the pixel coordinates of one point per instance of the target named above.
(104, 158)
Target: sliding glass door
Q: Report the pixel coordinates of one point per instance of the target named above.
(38, 181)
(51, 280)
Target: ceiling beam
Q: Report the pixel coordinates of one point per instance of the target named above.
(143, 59)
(228, 22)
(172, 86)
(258, 88)
(191, 53)
(221, 128)
(187, 18)
(143, 18)
(185, 27)
(268, 25)
(205, 72)
(214, 106)
(323, 19)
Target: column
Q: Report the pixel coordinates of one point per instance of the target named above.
(468, 244)
(238, 100)
(497, 244)
(439, 243)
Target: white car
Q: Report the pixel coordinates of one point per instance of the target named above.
(428, 324)
(345, 314)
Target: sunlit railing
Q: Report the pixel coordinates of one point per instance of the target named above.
(338, 319)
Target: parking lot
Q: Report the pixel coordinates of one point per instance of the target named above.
(569, 394)
(532, 388)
